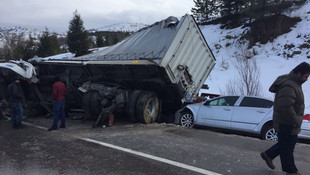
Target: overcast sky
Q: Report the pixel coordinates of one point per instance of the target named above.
(56, 14)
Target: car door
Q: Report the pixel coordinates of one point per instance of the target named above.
(249, 113)
(217, 112)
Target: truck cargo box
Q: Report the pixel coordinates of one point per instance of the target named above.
(175, 47)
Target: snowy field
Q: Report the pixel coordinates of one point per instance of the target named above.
(269, 57)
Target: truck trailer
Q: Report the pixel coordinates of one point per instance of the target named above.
(146, 77)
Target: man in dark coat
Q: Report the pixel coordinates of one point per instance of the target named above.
(15, 101)
(59, 93)
(287, 117)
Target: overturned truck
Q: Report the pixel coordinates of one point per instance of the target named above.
(146, 77)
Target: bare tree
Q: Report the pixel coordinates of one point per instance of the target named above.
(11, 43)
(16, 47)
(248, 80)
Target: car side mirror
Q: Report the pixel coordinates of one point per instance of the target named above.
(207, 103)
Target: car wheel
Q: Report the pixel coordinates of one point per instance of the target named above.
(187, 119)
(269, 133)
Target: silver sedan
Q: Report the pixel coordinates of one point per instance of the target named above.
(239, 113)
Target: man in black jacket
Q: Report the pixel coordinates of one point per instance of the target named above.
(15, 101)
(288, 112)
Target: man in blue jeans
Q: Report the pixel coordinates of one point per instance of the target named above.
(59, 93)
(15, 101)
(288, 114)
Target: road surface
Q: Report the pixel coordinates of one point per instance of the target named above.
(136, 149)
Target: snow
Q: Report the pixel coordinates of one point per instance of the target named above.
(269, 57)
(54, 57)
(124, 27)
(226, 47)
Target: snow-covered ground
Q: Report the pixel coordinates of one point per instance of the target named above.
(269, 57)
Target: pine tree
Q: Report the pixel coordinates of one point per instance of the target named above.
(99, 40)
(232, 12)
(231, 7)
(204, 9)
(30, 49)
(77, 36)
(48, 45)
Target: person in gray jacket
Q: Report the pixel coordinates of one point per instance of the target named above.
(288, 114)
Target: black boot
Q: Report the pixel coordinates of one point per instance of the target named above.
(62, 126)
(52, 128)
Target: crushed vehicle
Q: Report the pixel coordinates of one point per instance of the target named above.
(146, 77)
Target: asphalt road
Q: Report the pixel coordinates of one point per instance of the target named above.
(136, 149)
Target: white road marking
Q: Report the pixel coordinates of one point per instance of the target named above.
(36, 126)
(167, 161)
(163, 160)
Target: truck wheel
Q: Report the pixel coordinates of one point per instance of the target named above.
(91, 104)
(131, 105)
(85, 103)
(94, 103)
(147, 108)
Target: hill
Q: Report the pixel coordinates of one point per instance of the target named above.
(120, 27)
(26, 33)
(274, 58)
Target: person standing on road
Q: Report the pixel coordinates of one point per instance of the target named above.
(288, 113)
(15, 101)
(58, 95)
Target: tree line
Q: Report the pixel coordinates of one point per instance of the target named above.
(232, 12)
(78, 41)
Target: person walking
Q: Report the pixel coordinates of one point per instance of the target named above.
(288, 114)
(58, 95)
(15, 101)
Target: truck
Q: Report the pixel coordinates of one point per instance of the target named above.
(145, 77)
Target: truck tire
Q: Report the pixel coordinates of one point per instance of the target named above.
(94, 104)
(147, 108)
(91, 104)
(85, 103)
(131, 105)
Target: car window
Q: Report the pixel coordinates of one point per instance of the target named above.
(256, 102)
(224, 101)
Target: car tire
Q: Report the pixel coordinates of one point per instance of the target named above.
(269, 133)
(147, 108)
(187, 119)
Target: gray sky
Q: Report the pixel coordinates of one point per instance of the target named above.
(56, 14)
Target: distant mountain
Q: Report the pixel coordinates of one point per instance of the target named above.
(121, 27)
(26, 33)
